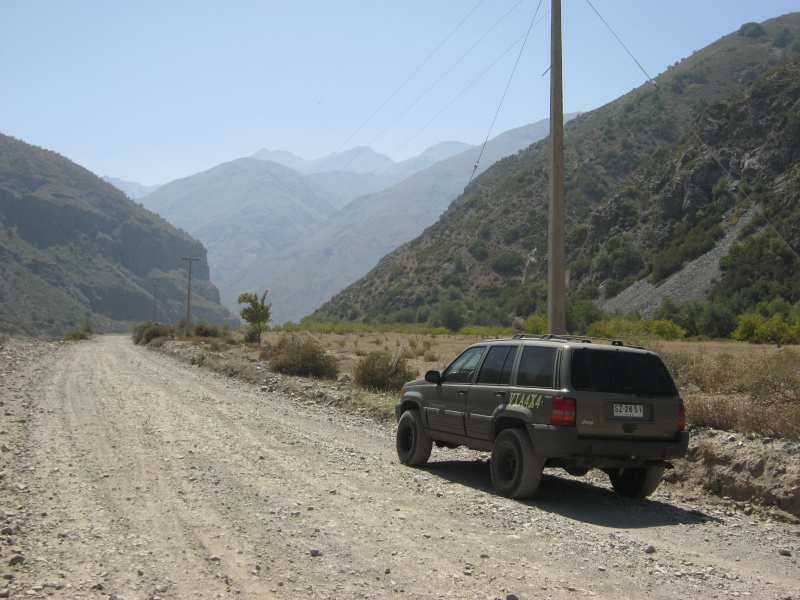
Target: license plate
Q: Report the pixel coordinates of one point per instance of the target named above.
(629, 410)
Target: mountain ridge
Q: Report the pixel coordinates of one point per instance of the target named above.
(357, 236)
(76, 248)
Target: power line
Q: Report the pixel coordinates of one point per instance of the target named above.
(477, 162)
(431, 86)
(397, 89)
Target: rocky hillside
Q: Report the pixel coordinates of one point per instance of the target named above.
(732, 182)
(485, 259)
(73, 248)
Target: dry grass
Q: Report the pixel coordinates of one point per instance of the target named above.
(726, 385)
(738, 387)
(422, 351)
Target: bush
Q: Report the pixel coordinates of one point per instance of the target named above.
(75, 336)
(748, 323)
(300, 355)
(206, 330)
(751, 30)
(381, 371)
(771, 331)
(536, 324)
(144, 333)
(509, 263)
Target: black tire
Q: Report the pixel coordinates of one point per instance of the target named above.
(413, 443)
(516, 470)
(636, 482)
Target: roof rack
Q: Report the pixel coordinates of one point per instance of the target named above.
(565, 338)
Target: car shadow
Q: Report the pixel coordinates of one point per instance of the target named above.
(575, 499)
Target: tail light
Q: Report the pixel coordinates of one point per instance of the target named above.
(681, 417)
(563, 412)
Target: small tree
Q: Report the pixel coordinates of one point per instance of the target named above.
(256, 313)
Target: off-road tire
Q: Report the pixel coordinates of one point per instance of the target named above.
(414, 445)
(636, 482)
(516, 470)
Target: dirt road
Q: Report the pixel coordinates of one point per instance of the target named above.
(126, 474)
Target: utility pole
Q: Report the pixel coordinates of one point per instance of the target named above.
(155, 288)
(189, 292)
(556, 271)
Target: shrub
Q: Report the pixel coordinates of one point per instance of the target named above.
(251, 335)
(300, 355)
(771, 331)
(536, 324)
(666, 330)
(75, 335)
(748, 323)
(206, 330)
(478, 250)
(751, 30)
(382, 371)
(144, 333)
(450, 314)
(509, 263)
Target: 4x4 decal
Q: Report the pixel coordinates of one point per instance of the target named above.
(526, 400)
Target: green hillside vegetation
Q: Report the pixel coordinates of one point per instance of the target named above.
(643, 197)
(73, 247)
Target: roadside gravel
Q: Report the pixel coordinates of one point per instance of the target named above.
(127, 474)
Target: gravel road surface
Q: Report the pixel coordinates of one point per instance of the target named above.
(127, 474)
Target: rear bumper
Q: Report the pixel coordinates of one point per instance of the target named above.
(563, 442)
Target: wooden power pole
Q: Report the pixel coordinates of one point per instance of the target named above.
(189, 292)
(556, 271)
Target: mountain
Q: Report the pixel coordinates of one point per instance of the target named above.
(74, 247)
(360, 159)
(484, 261)
(132, 190)
(733, 197)
(344, 176)
(356, 237)
(247, 212)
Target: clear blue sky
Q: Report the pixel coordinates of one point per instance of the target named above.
(151, 91)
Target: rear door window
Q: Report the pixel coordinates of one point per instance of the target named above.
(621, 373)
(497, 366)
(537, 367)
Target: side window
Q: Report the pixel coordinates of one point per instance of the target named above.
(498, 364)
(536, 367)
(462, 368)
(505, 374)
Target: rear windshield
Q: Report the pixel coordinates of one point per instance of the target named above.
(621, 373)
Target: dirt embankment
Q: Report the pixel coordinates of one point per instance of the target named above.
(126, 474)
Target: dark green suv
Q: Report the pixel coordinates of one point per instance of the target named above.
(549, 401)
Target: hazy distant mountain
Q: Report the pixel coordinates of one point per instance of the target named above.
(73, 247)
(342, 177)
(361, 159)
(247, 212)
(132, 190)
(431, 156)
(354, 239)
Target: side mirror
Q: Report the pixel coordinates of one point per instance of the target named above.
(433, 377)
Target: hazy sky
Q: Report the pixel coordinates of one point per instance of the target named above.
(152, 91)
